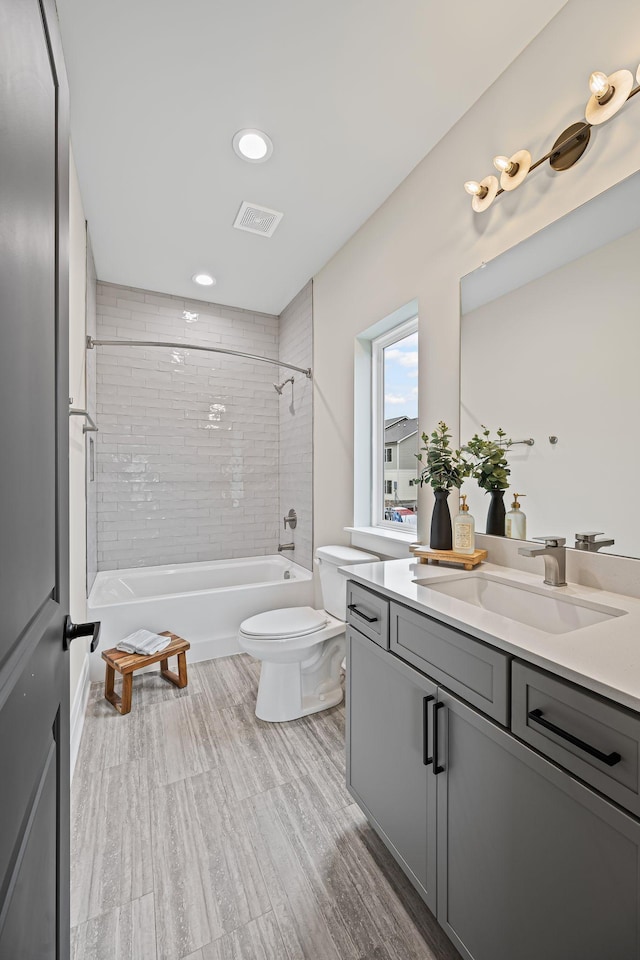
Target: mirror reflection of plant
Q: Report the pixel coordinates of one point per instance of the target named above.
(489, 467)
(444, 467)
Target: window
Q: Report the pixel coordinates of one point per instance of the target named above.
(395, 437)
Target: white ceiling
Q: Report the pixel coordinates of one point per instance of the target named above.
(350, 91)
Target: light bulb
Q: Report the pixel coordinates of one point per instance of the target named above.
(503, 164)
(599, 84)
(473, 188)
(252, 146)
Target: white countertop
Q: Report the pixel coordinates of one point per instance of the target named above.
(604, 657)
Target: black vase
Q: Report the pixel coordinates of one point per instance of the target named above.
(440, 538)
(496, 514)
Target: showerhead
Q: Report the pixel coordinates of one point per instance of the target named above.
(279, 387)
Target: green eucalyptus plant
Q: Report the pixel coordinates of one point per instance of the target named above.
(444, 467)
(490, 467)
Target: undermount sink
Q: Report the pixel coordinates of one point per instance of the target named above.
(528, 605)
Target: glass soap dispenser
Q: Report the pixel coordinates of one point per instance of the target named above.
(516, 521)
(464, 529)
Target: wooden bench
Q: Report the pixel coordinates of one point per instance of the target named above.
(127, 663)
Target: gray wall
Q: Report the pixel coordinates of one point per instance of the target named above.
(408, 450)
(187, 453)
(296, 427)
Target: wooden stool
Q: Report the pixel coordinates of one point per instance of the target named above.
(128, 663)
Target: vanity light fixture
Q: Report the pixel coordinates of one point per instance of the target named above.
(608, 95)
(252, 145)
(513, 169)
(204, 279)
(483, 193)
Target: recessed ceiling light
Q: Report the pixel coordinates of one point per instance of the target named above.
(204, 279)
(253, 145)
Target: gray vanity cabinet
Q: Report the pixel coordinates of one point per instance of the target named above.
(387, 711)
(517, 858)
(531, 863)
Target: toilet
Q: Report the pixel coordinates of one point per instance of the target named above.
(302, 649)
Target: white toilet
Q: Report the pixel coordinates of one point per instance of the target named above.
(302, 649)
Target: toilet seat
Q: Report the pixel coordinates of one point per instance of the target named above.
(285, 624)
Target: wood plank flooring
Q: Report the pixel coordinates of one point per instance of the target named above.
(201, 833)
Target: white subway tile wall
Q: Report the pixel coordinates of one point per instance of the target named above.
(187, 451)
(91, 439)
(296, 426)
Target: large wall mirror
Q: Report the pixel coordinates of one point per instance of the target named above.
(550, 348)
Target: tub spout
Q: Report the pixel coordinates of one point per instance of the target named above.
(286, 546)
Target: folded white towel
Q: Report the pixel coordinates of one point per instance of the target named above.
(144, 642)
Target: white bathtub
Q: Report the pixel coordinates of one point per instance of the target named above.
(203, 602)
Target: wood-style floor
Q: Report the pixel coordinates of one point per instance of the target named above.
(201, 833)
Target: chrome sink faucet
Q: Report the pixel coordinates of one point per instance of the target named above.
(554, 556)
(587, 541)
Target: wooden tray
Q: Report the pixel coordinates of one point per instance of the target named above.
(466, 560)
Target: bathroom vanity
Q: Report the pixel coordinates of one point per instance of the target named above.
(498, 761)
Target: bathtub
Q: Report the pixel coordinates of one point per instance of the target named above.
(203, 602)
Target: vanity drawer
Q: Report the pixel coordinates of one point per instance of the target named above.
(466, 666)
(369, 613)
(591, 737)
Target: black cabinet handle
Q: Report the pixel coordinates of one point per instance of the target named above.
(73, 630)
(609, 758)
(426, 759)
(354, 609)
(436, 766)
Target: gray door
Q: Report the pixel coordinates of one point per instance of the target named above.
(531, 864)
(34, 682)
(388, 706)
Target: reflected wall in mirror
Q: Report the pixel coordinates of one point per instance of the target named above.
(550, 346)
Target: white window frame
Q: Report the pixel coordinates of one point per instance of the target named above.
(378, 346)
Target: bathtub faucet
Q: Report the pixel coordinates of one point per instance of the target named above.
(286, 546)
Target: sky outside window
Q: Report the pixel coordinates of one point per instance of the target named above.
(401, 378)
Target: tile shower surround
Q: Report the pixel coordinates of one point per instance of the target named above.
(91, 439)
(188, 446)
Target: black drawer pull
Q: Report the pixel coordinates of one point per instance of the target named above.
(436, 766)
(609, 758)
(426, 759)
(354, 609)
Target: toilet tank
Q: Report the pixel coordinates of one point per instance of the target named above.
(332, 583)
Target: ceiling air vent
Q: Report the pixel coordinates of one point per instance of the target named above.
(255, 219)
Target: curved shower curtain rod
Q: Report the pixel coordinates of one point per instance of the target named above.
(91, 343)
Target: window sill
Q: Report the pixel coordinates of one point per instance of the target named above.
(389, 543)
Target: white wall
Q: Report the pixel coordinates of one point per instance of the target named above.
(425, 236)
(77, 490)
(295, 414)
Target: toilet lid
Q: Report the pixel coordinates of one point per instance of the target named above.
(288, 622)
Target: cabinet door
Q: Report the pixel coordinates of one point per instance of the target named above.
(387, 707)
(531, 863)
